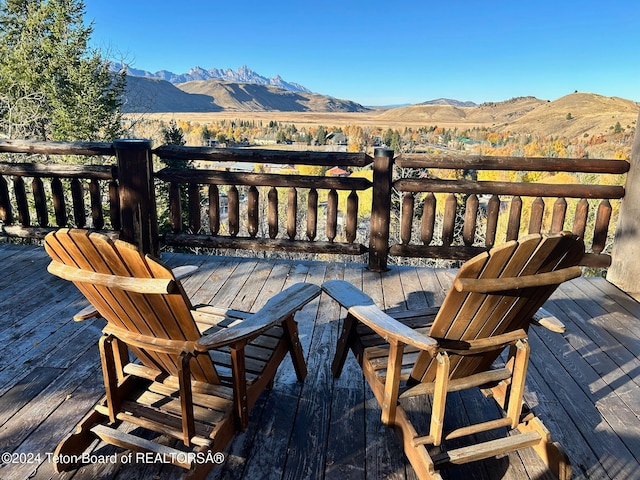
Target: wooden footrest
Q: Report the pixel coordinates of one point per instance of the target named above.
(488, 449)
(131, 442)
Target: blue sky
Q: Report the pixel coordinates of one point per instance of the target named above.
(382, 53)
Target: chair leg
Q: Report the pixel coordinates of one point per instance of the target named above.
(348, 329)
(518, 377)
(439, 398)
(239, 373)
(551, 453)
(295, 348)
(110, 374)
(74, 444)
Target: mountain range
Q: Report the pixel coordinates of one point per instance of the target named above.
(242, 75)
(216, 90)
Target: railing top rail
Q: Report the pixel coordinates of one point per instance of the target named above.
(56, 148)
(219, 177)
(509, 188)
(99, 172)
(254, 155)
(542, 164)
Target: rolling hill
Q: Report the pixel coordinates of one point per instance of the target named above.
(577, 114)
(573, 115)
(152, 95)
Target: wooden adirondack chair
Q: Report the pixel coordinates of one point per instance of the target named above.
(494, 298)
(193, 387)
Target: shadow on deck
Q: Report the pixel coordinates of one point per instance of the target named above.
(584, 384)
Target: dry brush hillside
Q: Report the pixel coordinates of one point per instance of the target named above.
(570, 116)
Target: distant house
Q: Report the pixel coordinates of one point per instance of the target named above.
(282, 169)
(337, 138)
(337, 172)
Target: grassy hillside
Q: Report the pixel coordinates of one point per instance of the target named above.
(152, 95)
(578, 114)
(146, 95)
(570, 116)
(249, 97)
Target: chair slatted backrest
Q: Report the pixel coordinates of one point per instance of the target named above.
(159, 315)
(472, 315)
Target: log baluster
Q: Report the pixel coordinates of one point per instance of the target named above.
(6, 215)
(95, 197)
(21, 201)
(332, 214)
(195, 222)
(406, 218)
(449, 222)
(40, 201)
(59, 206)
(292, 213)
(272, 214)
(352, 216)
(175, 207)
(427, 223)
(537, 213)
(214, 209)
(470, 220)
(603, 217)
(515, 214)
(234, 210)
(312, 214)
(77, 197)
(493, 211)
(252, 211)
(580, 217)
(559, 215)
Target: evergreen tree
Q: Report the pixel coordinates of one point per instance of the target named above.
(173, 135)
(321, 136)
(52, 85)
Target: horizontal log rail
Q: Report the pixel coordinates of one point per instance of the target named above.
(217, 177)
(62, 170)
(57, 148)
(257, 155)
(532, 164)
(267, 244)
(509, 188)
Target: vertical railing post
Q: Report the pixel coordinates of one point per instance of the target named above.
(625, 268)
(380, 209)
(138, 215)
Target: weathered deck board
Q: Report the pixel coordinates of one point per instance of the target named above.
(584, 384)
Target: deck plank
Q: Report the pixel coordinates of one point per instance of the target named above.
(584, 384)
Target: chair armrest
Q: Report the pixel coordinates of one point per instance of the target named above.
(346, 294)
(362, 307)
(275, 311)
(488, 285)
(184, 271)
(86, 313)
(545, 319)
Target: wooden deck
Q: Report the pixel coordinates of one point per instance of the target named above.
(585, 385)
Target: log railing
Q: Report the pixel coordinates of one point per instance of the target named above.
(461, 204)
(450, 217)
(36, 198)
(246, 220)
